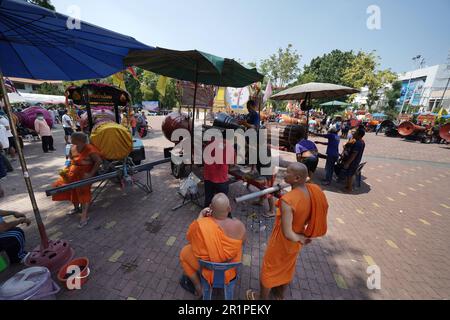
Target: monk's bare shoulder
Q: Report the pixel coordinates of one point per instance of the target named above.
(239, 228)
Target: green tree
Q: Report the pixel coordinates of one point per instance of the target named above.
(149, 80)
(52, 89)
(43, 3)
(329, 68)
(282, 67)
(149, 93)
(134, 88)
(392, 95)
(170, 100)
(363, 72)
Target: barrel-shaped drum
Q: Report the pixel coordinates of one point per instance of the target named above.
(408, 128)
(29, 115)
(444, 132)
(223, 120)
(113, 140)
(288, 136)
(174, 121)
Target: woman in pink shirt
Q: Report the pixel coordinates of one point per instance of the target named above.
(42, 129)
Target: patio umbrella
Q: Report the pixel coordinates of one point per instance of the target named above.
(313, 90)
(37, 43)
(195, 66)
(379, 115)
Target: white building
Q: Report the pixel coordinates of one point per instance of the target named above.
(31, 86)
(424, 87)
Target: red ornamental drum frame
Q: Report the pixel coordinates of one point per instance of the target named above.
(98, 94)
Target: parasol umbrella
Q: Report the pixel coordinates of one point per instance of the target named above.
(38, 43)
(195, 66)
(313, 90)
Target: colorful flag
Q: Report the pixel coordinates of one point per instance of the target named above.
(440, 114)
(119, 81)
(161, 86)
(219, 100)
(268, 92)
(133, 72)
(10, 86)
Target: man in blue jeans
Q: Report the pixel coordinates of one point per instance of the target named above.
(332, 153)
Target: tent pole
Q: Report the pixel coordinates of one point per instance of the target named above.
(193, 114)
(23, 164)
(308, 97)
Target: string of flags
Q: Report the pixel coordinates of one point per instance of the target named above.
(10, 88)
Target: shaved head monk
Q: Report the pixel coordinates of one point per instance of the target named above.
(213, 237)
(85, 162)
(301, 215)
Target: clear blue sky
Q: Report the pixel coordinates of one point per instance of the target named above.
(252, 30)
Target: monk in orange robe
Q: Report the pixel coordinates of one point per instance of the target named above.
(301, 215)
(213, 237)
(85, 162)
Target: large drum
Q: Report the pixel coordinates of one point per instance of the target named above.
(288, 136)
(113, 140)
(444, 132)
(29, 115)
(408, 128)
(174, 121)
(223, 120)
(355, 123)
(290, 121)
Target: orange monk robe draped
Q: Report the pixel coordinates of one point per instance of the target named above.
(80, 165)
(208, 242)
(310, 219)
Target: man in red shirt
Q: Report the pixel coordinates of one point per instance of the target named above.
(216, 168)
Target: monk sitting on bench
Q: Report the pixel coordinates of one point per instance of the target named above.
(213, 237)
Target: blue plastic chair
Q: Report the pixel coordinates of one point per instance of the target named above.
(219, 279)
(359, 174)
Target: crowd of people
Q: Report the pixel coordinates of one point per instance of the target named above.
(216, 235)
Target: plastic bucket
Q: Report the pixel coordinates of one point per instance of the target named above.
(30, 284)
(82, 276)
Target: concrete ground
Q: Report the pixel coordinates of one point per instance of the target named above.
(398, 220)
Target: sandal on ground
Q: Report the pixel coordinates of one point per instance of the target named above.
(74, 211)
(83, 223)
(250, 295)
(187, 285)
(268, 216)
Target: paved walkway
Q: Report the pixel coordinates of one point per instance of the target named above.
(398, 220)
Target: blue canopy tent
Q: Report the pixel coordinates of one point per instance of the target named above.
(379, 116)
(38, 43)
